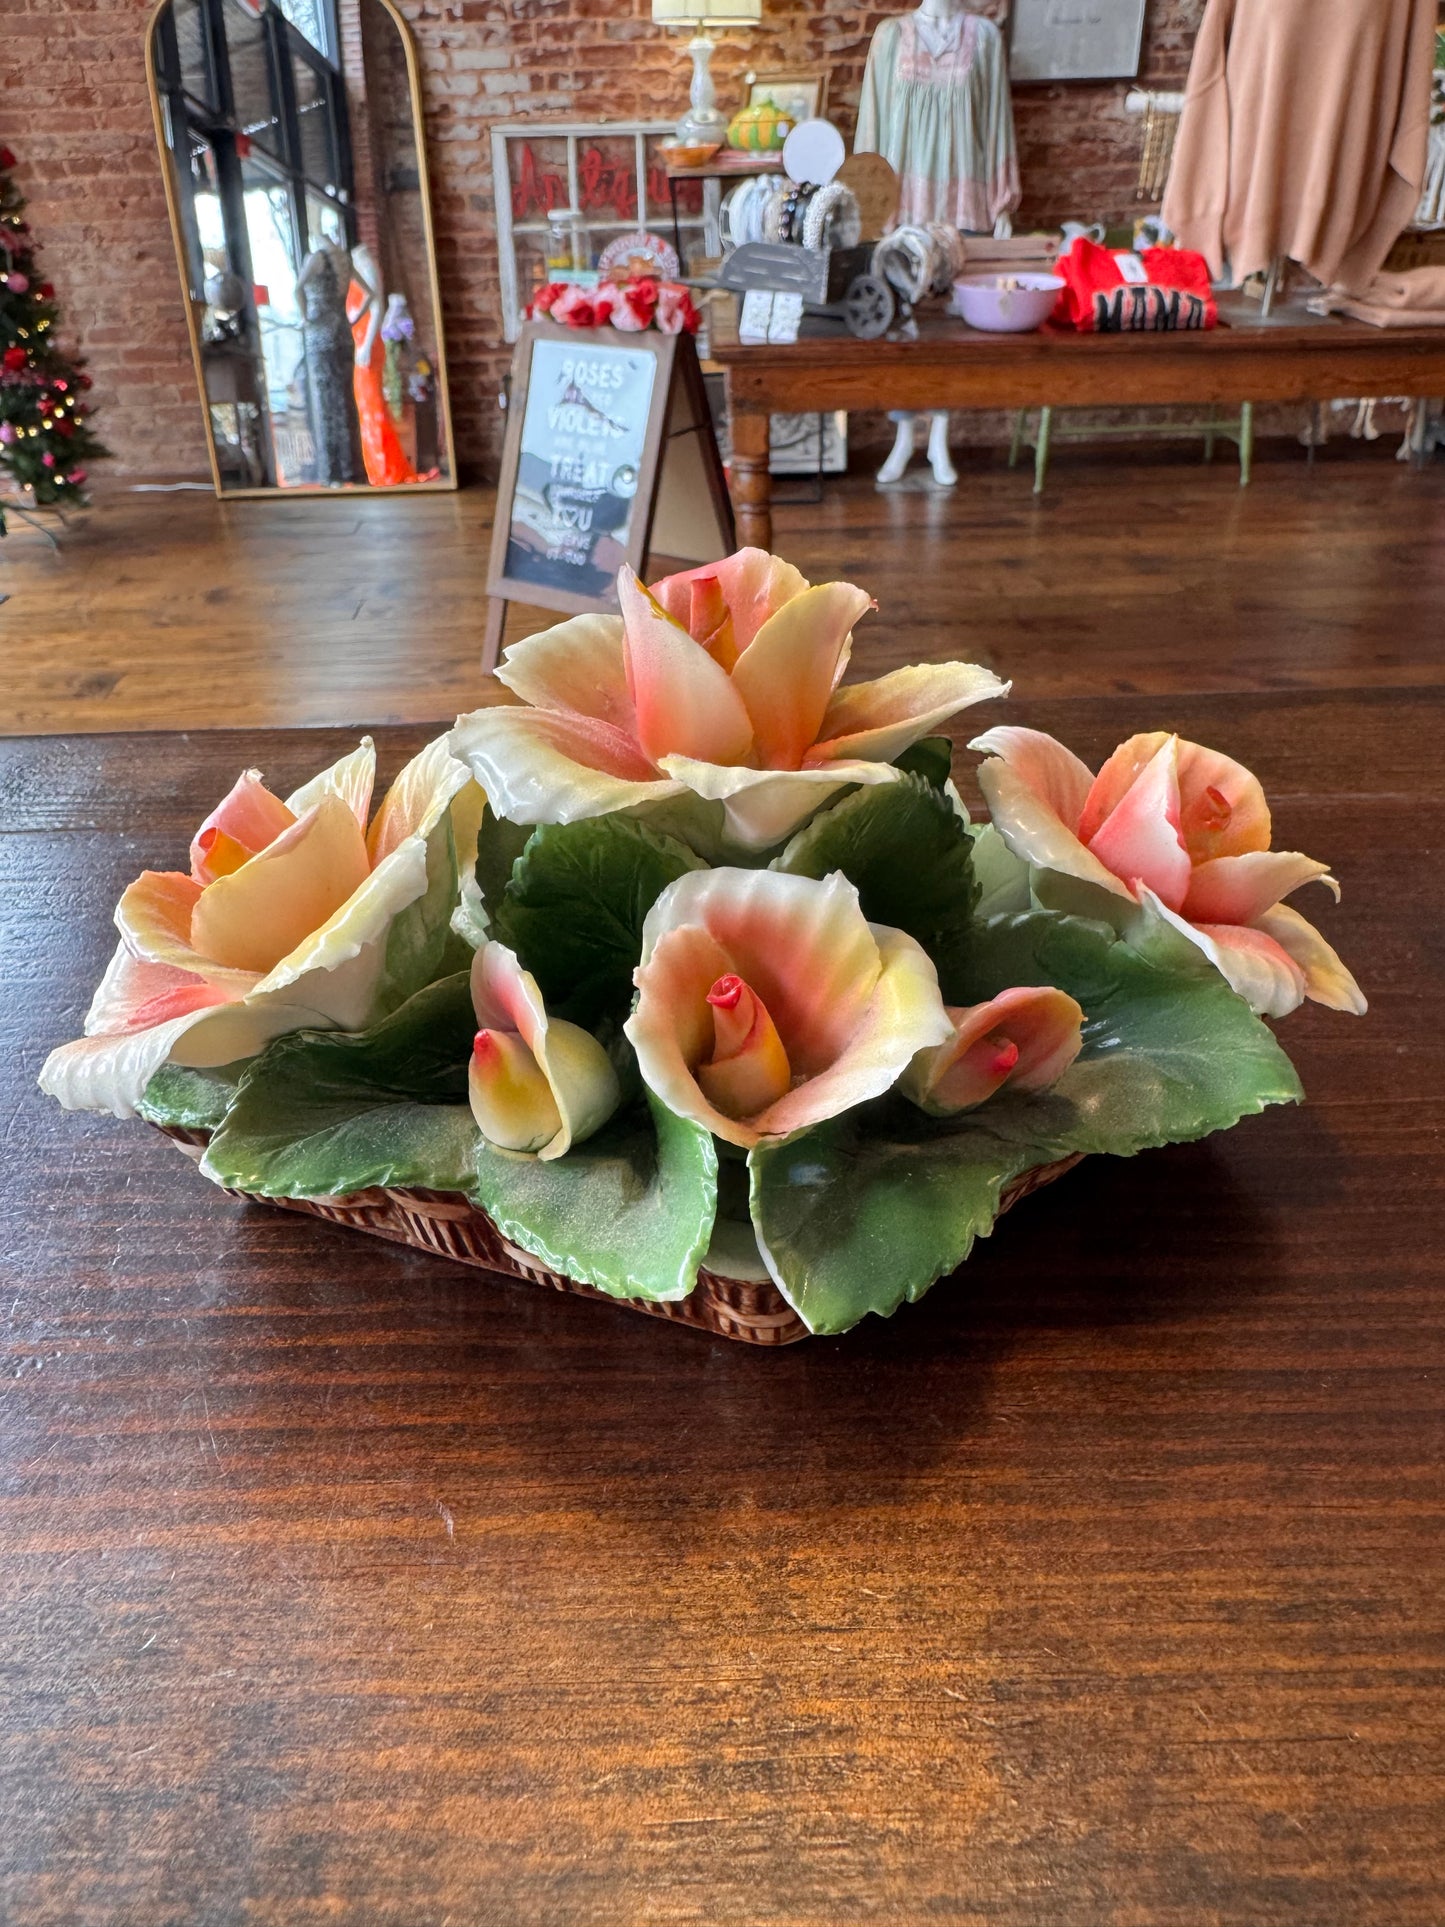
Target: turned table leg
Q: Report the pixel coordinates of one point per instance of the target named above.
(752, 486)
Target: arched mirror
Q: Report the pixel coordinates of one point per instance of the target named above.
(291, 136)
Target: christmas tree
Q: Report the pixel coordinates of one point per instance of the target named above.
(45, 441)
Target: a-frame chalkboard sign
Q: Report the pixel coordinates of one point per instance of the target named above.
(609, 457)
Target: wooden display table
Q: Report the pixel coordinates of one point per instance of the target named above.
(339, 1583)
(1293, 357)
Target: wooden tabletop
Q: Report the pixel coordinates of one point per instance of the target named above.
(1293, 356)
(1106, 1588)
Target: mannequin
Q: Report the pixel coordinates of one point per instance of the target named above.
(936, 105)
(322, 287)
(381, 449)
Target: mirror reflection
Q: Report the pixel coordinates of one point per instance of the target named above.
(298, 194)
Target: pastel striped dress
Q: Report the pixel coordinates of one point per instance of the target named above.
(936, 105)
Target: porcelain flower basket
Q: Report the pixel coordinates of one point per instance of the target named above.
(686, 980)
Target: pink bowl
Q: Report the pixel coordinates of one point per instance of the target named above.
(984, 301)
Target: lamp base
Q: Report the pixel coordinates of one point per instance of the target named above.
(702, 124)
(703, 120)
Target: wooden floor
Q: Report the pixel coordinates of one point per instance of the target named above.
(1145, 573)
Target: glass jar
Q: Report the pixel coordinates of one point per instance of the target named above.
(569, 242)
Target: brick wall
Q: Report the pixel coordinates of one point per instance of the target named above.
(76, 110)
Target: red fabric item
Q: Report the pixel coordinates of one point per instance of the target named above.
(1089, 270)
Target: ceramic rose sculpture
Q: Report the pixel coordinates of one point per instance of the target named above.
(689, 958)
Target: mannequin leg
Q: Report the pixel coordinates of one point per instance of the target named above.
(901, 454)
(944, 473)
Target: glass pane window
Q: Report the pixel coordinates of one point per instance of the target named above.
(313, 118)
(193, 51)
(308, 17)
(253, 88)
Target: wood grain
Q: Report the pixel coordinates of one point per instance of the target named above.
(1153, 573)
(1105, 1590)
(1293, 357)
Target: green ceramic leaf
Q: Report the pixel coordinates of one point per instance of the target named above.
(870, 1209)
(909, 853)
(932, 759)
(190, 1100)
(575, 904)
(1170, 1052)
(419, 945)
(324, 1113)
(862, 1213)
(499, 844)
(629, 1211)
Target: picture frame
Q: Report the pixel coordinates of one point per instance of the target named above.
(1052, 40)
(799, 96)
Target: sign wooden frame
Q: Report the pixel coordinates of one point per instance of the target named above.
(678, 407)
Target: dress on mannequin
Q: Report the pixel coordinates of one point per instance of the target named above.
(321, 287)
(936, 105)
(381, 449)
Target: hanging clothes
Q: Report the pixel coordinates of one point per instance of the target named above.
(1303, 135)
(936, 106)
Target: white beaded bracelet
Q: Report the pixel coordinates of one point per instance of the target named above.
(833, 206)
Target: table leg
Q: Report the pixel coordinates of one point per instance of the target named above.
(1041, 449)
(752, 486)
(1246, 442)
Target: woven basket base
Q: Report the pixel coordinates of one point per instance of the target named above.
(449, 1226)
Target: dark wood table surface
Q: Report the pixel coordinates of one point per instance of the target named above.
(1106, 1588)
(1293, 356)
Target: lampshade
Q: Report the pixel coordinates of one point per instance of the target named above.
(707, 13)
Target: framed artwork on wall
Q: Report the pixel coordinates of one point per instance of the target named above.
(1075, 39)
(799, 96)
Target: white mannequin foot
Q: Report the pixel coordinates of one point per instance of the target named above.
(944, 473)
(900, 455)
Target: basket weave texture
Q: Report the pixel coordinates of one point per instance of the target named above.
(449, 1226)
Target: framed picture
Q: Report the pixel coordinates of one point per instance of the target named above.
(799, 96)
(1075, 39)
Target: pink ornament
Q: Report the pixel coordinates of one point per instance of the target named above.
(48, 460)
(7, 433)
(17, 283)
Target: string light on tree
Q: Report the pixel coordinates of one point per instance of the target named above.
(45, 439)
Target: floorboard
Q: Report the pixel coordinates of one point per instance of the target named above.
(1151, 575)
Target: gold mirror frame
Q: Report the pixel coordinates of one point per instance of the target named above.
(439, 485)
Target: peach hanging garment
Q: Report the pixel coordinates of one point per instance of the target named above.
(1304, 134)
(381, 449)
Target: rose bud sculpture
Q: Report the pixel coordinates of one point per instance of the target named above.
(1025, 1038)
(535, 1082)
(1183, 830)
(280, 924)
(722, 682)
(768, 1002)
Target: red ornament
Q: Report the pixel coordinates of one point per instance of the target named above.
(14, 359)
(7, 159)
(47, 291)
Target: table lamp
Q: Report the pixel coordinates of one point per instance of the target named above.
(703, 120)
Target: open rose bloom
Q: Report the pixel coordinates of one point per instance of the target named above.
(1180, 829)
(767, 1003)
(280, 923)
(722, 683)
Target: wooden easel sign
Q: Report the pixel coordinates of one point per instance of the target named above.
(609, 457)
